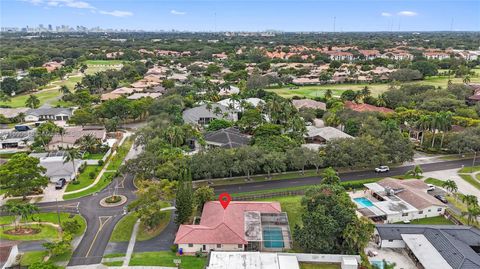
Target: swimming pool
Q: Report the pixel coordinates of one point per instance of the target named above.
(364, 202)
(378, 264)
(272, 237)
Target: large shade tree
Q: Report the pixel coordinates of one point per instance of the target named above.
(21, 175)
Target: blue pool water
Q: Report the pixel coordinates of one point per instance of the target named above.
(272, 237)
(363, 202)
(377, 264)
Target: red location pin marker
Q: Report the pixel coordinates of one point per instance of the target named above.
(224, 199)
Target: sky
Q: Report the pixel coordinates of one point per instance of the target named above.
(247, 15)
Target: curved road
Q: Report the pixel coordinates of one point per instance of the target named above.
(101, 221)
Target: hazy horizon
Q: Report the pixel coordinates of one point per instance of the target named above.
(254, 16)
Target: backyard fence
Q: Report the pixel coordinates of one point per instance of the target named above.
(249, 197)
(449, 215)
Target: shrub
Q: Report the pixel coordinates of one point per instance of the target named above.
(100, 162)
(174, 248)
(91, 175)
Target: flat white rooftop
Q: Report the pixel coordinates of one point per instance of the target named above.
(425, 251)
(251, 260)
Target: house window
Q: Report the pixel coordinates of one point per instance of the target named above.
(429, 210)
(420, 212)
(390, 240)
(404, 214)
(439, 209)
(219, 245)
(240, 246)
(190, 245)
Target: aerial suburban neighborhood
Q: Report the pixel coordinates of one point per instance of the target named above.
(344, 141)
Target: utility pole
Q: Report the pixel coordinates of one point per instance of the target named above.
(58, 215)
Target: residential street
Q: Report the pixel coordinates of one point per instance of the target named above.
(274, 184)
(101, 221)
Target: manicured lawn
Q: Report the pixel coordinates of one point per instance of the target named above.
(103, 62)
(471, 180)
(117, 263)
(121, 153)
(32, 257)
(43, 96)
(376, 89)
(292, 206)
(165, 258)
(93, 156)
(144, 234)
(6, 219)
(439, 220)
(319, 266)
(469, 169)
(101, 184)
(123, 229)
(434, 181)
(61, 258)
(114, 255)
(53, 218)
(84, 178)
(47, 232)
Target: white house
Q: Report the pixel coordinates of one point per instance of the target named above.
(392, 200)
(53, 113)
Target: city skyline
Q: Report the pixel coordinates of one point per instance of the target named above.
(213, 16)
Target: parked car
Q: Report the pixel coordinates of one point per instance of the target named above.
(441, 198)
(430, 187)
(22, 128)
(382, 169)
(60, 183)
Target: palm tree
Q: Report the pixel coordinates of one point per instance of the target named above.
(78, 86)
(64, 90)
(434, 125)
(61, 131)
(444, 123)
(365, 92)
(328, 94)
(450, 186)
(423, 124)
(416, 171)
(470, 200)
(32, 101)
(330, 176)
(13, 208)
(88, 143)
(472, 214)
(27, 210)
(70, 155)
(466, 79)
(4, 97)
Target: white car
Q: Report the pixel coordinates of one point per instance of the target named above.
(430, 187)
(382, 169)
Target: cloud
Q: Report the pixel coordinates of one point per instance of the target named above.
(407, 13)
(386, 14)
(117, 13)
(33, 2)
(174, 12)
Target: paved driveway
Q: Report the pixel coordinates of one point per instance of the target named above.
(463, 186)
(50, 194)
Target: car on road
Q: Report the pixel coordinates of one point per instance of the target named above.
(382, 169)
(60, 183)
(430, 187)
(441, 198)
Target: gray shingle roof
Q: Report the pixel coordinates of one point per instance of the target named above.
(49, 111)
(192, 115)
(227, 138)
(453, 242)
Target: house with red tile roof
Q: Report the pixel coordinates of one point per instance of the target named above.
(366, 108)
(370, 54)
(251, 226)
